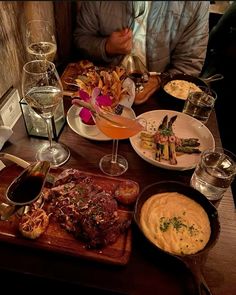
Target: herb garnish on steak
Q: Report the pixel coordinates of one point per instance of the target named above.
(84, 209)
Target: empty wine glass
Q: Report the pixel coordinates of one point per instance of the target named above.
(136, 70)
(42, 90)
(133, 64)
(40, 40)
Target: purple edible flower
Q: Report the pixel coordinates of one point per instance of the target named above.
(95, 99)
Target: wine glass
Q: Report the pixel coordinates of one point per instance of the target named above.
(42, 90)
(136, 71)
(116, 126)
(40, 40)
(135, 68)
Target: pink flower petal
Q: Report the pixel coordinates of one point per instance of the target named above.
(76, 94)
(84, 95)
(75, 101)
(85, 115)
(104, 100)
(96, 91)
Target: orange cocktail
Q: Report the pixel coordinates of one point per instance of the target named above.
(118, 127)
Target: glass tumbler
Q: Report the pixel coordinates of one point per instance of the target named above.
(214, 173)
(199, 104)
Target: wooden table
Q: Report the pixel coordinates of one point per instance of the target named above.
(145, 273)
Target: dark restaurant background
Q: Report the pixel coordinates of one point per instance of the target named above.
(221, 57)
(13, 17)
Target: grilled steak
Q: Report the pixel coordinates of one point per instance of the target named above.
(85, 209)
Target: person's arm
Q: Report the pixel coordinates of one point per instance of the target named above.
(190, 52)
(99, 35)
(85, 36)
(119, 42)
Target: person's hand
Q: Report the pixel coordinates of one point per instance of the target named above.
(119, 42)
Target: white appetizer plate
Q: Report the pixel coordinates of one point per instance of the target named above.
(75, 124)
(184, 127)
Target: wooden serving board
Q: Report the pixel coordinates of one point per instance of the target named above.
(56, 239)
(153, 84)
(70, 72)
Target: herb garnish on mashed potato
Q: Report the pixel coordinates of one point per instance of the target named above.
(175, 223)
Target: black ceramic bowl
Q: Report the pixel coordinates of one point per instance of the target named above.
(170, 100)
(191, 260)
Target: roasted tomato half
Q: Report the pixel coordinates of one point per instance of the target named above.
(127, 192)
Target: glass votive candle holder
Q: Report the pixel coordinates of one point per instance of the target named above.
(36, 126)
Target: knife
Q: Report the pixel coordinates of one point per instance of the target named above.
(22, 163)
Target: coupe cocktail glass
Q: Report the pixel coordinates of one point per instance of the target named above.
(117, 127)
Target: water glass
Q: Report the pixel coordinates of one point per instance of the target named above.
(199, 104)
(214, 173)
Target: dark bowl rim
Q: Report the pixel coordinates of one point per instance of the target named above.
(180, 76)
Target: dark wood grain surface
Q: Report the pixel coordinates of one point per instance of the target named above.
(55, 238)
(146, 272)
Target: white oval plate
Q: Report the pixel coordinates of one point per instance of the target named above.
(184, 127)
(74, 123)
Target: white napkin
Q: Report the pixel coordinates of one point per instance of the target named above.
(5, 134)
(128, 99)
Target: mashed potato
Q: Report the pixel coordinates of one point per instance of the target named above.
(180, 88)
(175, 223)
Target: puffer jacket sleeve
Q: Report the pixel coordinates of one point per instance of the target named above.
(95, 22)
(189, 54)
(86, 40)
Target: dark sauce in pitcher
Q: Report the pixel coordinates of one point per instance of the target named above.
(27, 189)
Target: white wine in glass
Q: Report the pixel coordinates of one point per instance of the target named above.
(40, 40)
(42, 90)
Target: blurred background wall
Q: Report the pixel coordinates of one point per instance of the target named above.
(62, 15)
(13, 17)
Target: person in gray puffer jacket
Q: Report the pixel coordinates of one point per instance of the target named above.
(176, 34)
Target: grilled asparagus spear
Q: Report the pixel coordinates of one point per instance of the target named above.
(187, 149)
(172, 140)
(166, 144)
(161, 139)
(190, 142)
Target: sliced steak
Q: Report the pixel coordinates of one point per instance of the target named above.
(86, 210)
